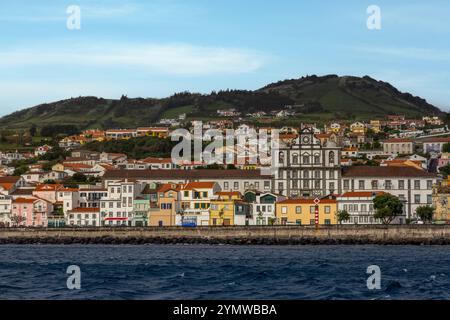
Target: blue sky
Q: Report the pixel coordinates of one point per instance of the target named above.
(155, 48)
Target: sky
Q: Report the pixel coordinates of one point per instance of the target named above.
(154, 48)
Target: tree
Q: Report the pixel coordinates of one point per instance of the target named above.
(445, 171)
(446, 147)
(342, 215)
(17, 220)
(387, 208)
(33, 130)
(425, 213)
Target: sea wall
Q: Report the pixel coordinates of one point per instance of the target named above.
(277, 235)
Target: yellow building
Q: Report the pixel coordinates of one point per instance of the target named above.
(168, 206)
(228, 210)
(441, 201)
(302, 212)
(375, 125)
(358, 128)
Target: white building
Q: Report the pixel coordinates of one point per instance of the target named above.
(308, 168)
(414, 186)
(84, 217)
(360, 207)
(262, 207)
(117, 207)
(5, 210)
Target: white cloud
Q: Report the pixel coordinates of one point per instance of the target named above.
(174, 59)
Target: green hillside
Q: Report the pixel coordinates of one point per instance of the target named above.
(312, 97)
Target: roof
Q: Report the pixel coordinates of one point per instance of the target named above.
(24, 200)
(157, 160)
(307, 201)
(23, 192)
(229, 193)
(183, 174)
(77, 165)
(9, 179)
(199, 185)
(361, 194)
(398, 140)
(81, 210)
(437, 140)
(49, 187)
(168, 187)
(367, 171)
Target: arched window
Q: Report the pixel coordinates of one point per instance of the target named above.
(316, 159)
(306, 158)
(331, 157)
(281, 157)
(295, 159)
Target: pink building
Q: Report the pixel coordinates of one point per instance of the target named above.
(49, 192)
(31, 212)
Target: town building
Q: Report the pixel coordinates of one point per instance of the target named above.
(303, 212)
(308, 168)
(434, 145)
(411, 185)
(195, 200)
(84, 217)
(399, 146)
(262, 207)
(360, 207)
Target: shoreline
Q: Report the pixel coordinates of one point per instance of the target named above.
(271, 235)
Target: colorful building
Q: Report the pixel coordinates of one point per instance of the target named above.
(303, 212)
(228, 209)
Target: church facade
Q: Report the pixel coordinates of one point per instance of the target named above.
(308, 167)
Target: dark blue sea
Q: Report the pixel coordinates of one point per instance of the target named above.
(224, 272)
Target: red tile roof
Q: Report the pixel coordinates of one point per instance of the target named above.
(307, 201)
(376, 172)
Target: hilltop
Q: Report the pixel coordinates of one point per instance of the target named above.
(323, 97)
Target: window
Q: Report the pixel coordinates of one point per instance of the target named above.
(374, 184)
(331, 157)
(429, 199)
(331, 187)
(226, 185)
(317, 184)
(327, 209)
(327, 222)
(429, 184)
(186, 194)
(361, 184)
(305, 159)
(295, 159)
(266, 185)
(205, 194)
(298, 222)
(317, 159)
(298, 210)
(346, 184)
(416, 184)
(236, 185)
(312, 222)
(417, 199)
(284, 210)
(312, 209)
(401, 184)
(388, 184)
(317, 174)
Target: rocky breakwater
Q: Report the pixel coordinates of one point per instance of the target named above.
(277, 235)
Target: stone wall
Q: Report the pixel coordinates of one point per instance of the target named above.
(417, 234)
